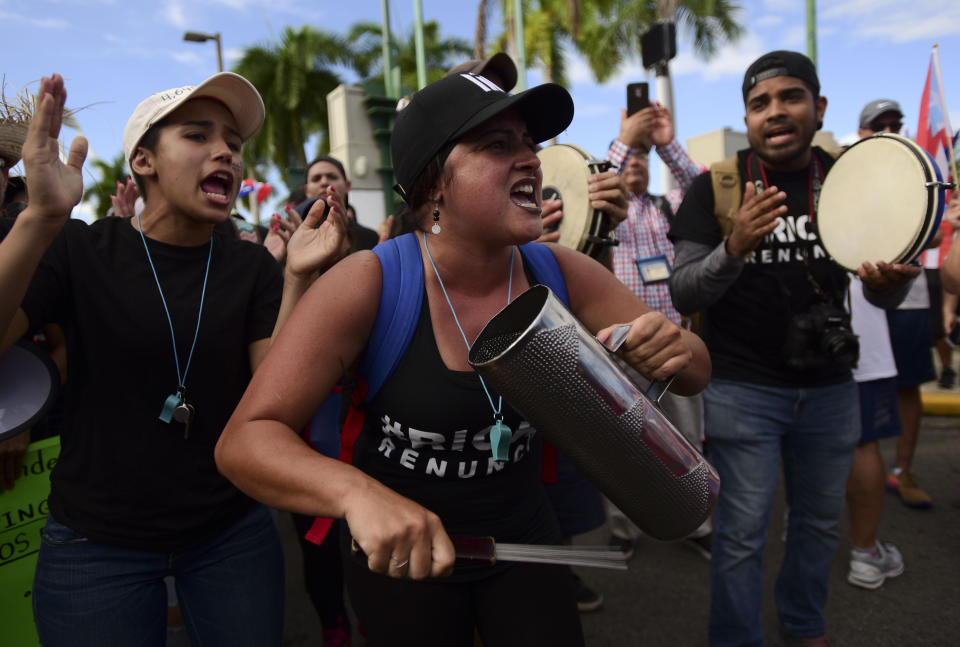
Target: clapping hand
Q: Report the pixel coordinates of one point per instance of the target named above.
(125, 201)
(280, 231)
(312, 249)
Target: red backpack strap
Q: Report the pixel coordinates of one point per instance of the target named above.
(551, 463)
(318, 531)
(353, 425)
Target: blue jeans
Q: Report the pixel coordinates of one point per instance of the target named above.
(749, 429)
(230, 589)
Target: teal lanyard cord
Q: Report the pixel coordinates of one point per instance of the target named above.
(181, 378)
(500, 434)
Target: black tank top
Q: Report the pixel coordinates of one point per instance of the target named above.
(426, 436)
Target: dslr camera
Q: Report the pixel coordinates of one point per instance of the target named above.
(821, 337)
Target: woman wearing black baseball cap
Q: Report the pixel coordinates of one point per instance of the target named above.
(427, 462)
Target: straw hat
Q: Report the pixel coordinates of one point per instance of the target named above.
(12, 135)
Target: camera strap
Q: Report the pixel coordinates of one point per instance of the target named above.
(757, 174)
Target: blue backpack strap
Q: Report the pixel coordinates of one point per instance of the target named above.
(545, 269)
(401, 297)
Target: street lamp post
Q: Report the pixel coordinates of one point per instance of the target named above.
(200, 37)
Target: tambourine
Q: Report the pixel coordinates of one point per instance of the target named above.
(882, 201)
(29, 383)
(566, 176)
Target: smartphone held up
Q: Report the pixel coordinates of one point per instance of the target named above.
(638, 97)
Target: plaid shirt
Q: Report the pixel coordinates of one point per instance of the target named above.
(644, 233)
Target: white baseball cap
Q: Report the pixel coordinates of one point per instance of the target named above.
(232, 90)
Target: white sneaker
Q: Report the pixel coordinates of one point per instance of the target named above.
(869, 572)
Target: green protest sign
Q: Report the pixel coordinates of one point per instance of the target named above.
(23, 512)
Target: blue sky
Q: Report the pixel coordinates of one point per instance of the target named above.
(114, 53)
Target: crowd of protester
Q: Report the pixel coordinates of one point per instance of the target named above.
(208, 365)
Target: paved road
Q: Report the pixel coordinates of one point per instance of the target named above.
(663, 598)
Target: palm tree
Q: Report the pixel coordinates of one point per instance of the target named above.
(294, 77)
(99, 192)
(440, 53)
(606, 32)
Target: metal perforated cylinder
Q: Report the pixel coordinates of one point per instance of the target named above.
(586, 403)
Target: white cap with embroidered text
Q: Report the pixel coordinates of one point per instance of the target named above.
(232, 90)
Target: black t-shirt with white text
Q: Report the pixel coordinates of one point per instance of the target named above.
(746, 329)
(124, 477)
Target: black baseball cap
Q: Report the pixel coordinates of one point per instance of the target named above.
(781, 63)
(500, 64)
(442, 112)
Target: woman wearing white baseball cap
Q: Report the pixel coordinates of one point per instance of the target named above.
(165, 322)
(428, 461)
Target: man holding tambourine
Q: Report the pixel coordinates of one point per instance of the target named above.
(779, 338)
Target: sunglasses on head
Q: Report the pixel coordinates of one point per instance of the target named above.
(894, 126)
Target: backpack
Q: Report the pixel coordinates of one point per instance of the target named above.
(401, 297)
(728, 189)
(727, 193)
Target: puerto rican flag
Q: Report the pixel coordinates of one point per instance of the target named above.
(936, 137)
(262, 189)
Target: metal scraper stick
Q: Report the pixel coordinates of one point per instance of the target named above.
(484, 550)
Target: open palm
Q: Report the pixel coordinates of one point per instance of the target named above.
(54, 187)
(312, 248)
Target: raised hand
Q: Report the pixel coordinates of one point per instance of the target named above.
(608, 193)
(551, 213)
(635, 129)
(383, 231)
(280, 231)
(124, 202)
(661, 130)
(313, 249)
(12, 452)
(54, 187)
(756, 218)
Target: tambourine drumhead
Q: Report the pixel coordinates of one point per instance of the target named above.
(876, 205)
(30, 382)
(566, 175)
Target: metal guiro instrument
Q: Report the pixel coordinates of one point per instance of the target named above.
(588, 404)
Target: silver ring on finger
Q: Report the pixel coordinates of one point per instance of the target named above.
(397, 564)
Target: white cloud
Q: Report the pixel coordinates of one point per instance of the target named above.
(848, 139)
(894, 20)
(173, 13)
(42, 23)
(794, 37)
(597, 109)
(781, 6)
(767, 21)
(48, 23)
(232, 56)
(730, 61)
(84, 211)
(187, 58)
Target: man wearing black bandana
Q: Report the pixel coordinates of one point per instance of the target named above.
(778, 333)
